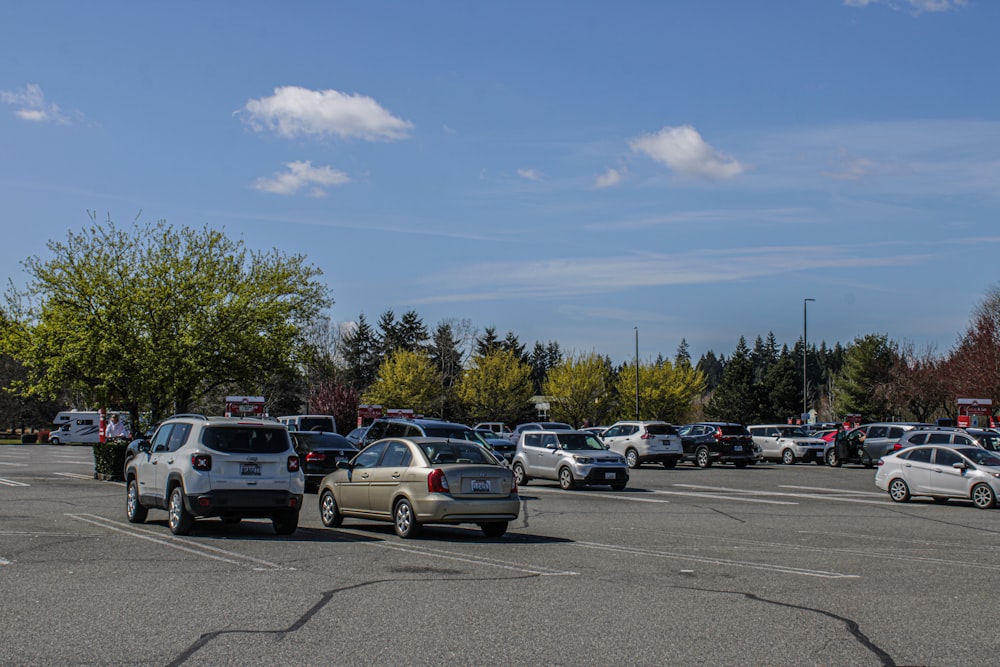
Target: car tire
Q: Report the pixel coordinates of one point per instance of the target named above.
(566, 481)
(134, 510)
(404, 520)
(53, 441)
(178, 518)
(983, 496)
(619, 486)
(702, 458)
(832, 460)
(670, 464)
(788, 457)
(632, 458)
(285, 522)
(520, 477)
(329, 513)
(899, 491)
(494, 528)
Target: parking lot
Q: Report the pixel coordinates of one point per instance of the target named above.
(770, 564)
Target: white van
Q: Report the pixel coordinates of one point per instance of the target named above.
(79, 427)
(325, 423)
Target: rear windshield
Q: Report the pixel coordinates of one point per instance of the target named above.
(246, 439)
(456, 452)
(733, 430)
(661, 429)
(316, 424)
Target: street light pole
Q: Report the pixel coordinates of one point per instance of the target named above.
(637, 373)
(805, 347)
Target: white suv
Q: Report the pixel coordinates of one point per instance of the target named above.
(232, 468)
(645, 441)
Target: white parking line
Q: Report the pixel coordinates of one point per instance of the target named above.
(811, 496)
(10, 482)
(644, 496)
(203, 550)
(478, 560)
(15, 465)
(769, 567)
(846, 492)
(74, 475)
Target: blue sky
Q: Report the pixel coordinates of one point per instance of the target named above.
(568, 171)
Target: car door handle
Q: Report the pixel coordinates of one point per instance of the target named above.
(395, 475)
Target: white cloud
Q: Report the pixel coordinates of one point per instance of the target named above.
(914, 6)
(684, 151)
(294, 111)
(610, 178)
(530, 174)
(301, 174)
(32, 105)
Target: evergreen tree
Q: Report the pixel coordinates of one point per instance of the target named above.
(683, 355)
(738, 398)
(862, 386)
(712, 368)
(488, 342)
(359, 349)
(447, 358)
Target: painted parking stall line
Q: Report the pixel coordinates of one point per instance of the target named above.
(539, 570)
(747, 494)
(11, 482)
(648, 496)
(203, 550)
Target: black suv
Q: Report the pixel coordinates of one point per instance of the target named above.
(706, 443)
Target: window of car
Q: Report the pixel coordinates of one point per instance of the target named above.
(946, 457)
(370, 456)
(548, 439)
(376, 431)
(982, 457)
(614, 432)
(178, 436)
(917, 439)
(963, 440)
(161, 438)
(896, 431)
(533, 439)
(397, 455)
(921, 455)
(661, 429)
(244, 439)
(877, 431)
(938, 438)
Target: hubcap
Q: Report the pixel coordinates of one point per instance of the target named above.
(403, 517)
(175, 510)
(327, 509)
(132, 500)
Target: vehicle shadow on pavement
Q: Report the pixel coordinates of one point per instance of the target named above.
(444, 534)
(261, 530)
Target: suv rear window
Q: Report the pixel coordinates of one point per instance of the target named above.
(661, 429)
(245, 439)
(316, 424)
(733, 430)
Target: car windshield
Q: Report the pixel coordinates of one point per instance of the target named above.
(579, 441)
(982, 457)
(246, 439)
(456, 452)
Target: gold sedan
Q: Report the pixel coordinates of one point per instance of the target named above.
(414, 481)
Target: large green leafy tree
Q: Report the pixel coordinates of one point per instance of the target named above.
(666, 391)
(863, 384)
(152, 317)
(738, 398)
(581, 389)
(496, 387)
(407, 379)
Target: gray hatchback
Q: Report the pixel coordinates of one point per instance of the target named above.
(571, 457)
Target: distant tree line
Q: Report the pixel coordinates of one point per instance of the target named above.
(154, 320)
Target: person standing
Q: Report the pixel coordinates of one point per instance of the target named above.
(116, 428)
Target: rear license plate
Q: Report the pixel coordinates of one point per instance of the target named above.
(480, 486)
(737, 448)
(610, 475)
(250, 469)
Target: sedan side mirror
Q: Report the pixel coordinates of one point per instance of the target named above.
(960, 465)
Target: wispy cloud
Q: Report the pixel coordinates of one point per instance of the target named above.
(912, 6)
(530, 174)
(302, 175)
(683, 150)
(31, 105)
(293, 111)
(609, 179)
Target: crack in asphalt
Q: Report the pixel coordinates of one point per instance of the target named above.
(954, 524)
(852, 626)
(324, 600)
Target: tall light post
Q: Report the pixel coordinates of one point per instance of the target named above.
(637, 373)
(805, 347)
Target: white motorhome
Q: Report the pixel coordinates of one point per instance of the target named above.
(324, 423)
(79, 427)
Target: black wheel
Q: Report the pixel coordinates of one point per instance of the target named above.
(405, 520)
(632, 458)
(494, 528)
(519, 475)
(619, 486)
(329, 513)
(788, 457)
(832, 460)
(670, 464)
(983, 496)
(178, 518)
(702, 457)
(740, 463)
(899, 491)
(566, 480)
(133, 508)
(285, 522)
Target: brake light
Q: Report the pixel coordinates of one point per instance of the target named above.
(898, 446)
(293, 464)
(718, 434)
(312, 457)
(201, 462)
(647, 436)
(437, 482)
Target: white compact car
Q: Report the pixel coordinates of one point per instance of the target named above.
(941, 472)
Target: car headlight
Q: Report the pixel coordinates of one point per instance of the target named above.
(583, 459)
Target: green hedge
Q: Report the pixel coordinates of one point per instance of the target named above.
(109, 459)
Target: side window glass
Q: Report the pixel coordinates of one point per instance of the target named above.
(918, 439)
(920, 455)
(162, 437)
(613, 432)
(631, 430)
(963, 440)
(877, 432)
(178, 436)
(895, 432)
(548, 439)
(946, 457)
(395, 430)
(532, 440)
(369, 458)
(938, 438)
(397, 455)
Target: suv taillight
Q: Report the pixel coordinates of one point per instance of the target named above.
(718, 434)
(647, 436)
(201, 461)
(437, 482)
(898, 446)
(293, 464)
